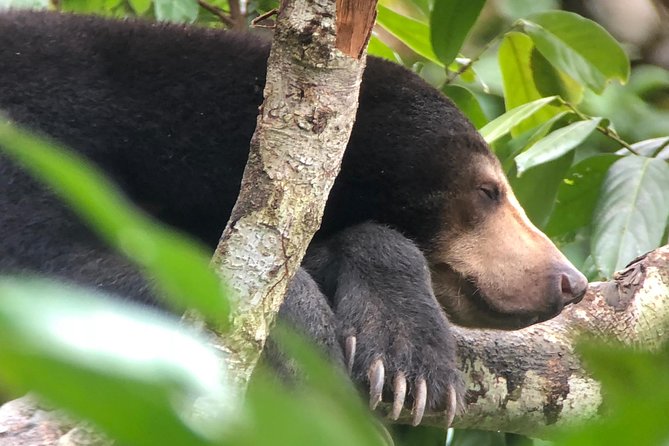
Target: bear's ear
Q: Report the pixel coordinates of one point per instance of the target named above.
(491, 267)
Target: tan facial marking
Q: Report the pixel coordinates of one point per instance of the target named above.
(493, 267)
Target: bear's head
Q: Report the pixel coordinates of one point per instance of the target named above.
(491, 267)
(425, 170)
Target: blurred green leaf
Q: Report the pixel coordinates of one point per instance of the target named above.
(631, 108)
(578, 46)
(477, 438)
(632, 211)
(577, 195)
(133, 372)
(178, 11)
(516, 9)
(503, 124)
(25, 4)
(325, 401)
(514, 57)
(180, 266)
(412, 33)
(467, 103)
(82, 6)
(423, 6)
(140, 6)
(555, 144)
(450, 23)
(378, 48)
(636, 386)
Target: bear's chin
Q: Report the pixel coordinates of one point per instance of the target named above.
(466, 305)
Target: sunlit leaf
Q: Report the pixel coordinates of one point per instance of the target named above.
(131, 371)
(529, 138)
(378, 48)
(467, 103)
(578, 46)
(514, 56)
(85, 6)
(180, 266)
(414, 34)
(555, 144)
(140, 6)
(632, 211)
(503, 124)
(450, 23)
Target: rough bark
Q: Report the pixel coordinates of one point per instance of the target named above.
(311, 97)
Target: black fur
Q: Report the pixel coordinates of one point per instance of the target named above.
(169, 112)
(372, 275)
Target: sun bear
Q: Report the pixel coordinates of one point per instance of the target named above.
(420, 219)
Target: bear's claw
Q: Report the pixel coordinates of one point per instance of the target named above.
(419, 402)
(350, 352)
(376, 375)
(399, 394)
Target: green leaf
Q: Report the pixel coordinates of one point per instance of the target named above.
(140, 6)
(82, 6)
(555, 144)
(414, 34)
(178, 11)
(133, 372)
(652, 148)
(631, 215)
(515, 54)
(378, 48)
(180, 266)
(450, 23)
(504, 123)
(421, 5)
(577, 195)
(25, 4)
(507, 149)
(553, 82)
(467, 103)
(578, 46)
(537, 189)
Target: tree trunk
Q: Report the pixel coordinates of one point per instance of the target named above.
(311, 98)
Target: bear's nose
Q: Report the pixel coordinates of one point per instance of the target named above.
(573, 285)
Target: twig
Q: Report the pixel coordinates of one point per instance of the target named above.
(262, 17)
(451, 77)
(662, 146)
(218, 12)
(237, 16)
(606, 131)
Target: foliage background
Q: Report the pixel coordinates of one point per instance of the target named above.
(578, 120)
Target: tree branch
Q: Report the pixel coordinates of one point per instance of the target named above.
(531, 381)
